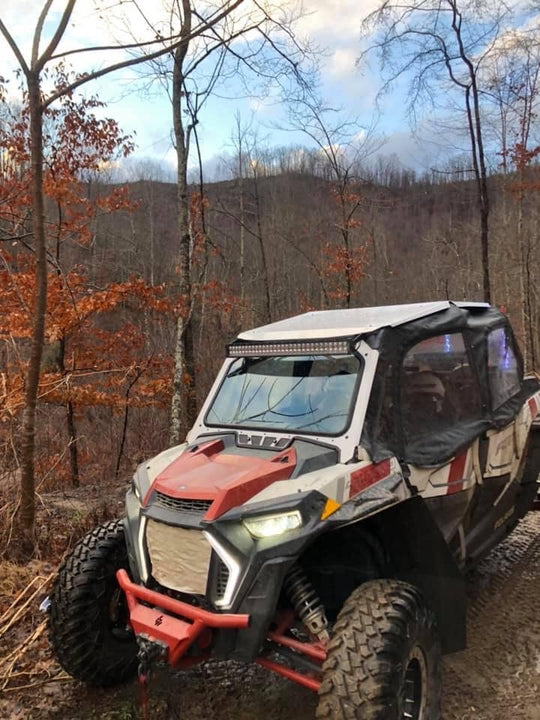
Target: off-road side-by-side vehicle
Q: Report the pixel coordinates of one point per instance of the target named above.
(345, 470)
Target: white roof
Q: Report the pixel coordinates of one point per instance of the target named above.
(343, 323)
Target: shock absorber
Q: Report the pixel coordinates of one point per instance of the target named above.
(307, 603)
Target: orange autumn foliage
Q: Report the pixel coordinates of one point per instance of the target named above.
(96, 352)
(98, 361)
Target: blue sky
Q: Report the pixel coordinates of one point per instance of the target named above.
(332, 25)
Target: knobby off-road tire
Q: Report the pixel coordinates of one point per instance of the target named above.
(383, 658)
(88, 620)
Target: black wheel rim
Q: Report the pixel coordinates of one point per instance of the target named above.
(414, 687)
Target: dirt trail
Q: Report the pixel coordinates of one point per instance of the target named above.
(496, 678)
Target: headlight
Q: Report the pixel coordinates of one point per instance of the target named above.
(270, 525)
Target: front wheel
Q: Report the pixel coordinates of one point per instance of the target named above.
(383, 659)
(88, 625)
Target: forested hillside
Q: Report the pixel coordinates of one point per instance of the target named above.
(275, 247)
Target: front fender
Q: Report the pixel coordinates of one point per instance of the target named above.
(419, 555)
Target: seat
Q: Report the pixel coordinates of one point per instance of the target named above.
(423, 402)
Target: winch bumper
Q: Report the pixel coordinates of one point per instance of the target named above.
(175, 624)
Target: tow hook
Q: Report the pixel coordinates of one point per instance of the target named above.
(150, 652)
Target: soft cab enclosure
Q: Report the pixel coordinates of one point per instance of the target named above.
(472, 350)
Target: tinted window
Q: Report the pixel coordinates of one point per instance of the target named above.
(439, 388)
(306, 394)
(503, 367)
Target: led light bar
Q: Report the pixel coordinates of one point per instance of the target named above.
(317, 347)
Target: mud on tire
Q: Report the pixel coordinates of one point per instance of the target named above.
(383, 659)
(88, 621)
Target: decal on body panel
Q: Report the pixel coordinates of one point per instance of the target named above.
(457, 475)
(501, 452)
(521, 426)
(534, 405)
(521, 429)
(506, 447)
(366, 474)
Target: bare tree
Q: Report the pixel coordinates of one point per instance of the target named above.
(33, 70)
(513, 90)
(239, 140)
(433, 41)
(343, 145)
(258, 43)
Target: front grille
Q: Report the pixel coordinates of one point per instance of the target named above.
(191, 507)
(180, 557)
(222, 578)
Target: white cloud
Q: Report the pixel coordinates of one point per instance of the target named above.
(343, 62)
(331, 24)
(360, 136)
(335, 21)
(257, 105)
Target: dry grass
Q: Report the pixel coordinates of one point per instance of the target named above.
(22, 626)
(62, 517)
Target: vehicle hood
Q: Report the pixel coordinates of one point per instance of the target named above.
(206, 472)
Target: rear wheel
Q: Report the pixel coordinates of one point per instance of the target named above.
(383, 659)
(89, 617)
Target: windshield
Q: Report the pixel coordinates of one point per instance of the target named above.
(306, 394)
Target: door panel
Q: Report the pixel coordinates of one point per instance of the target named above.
(498, 503)
(501, 451)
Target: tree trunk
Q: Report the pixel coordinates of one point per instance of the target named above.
(183, 397)
(26, 512)
(521, 273)
(70, 414)
(265, 274)
(535, 316)
(243, 308)
(528, 311)
(346, 242)
(240, 179)
(484, 241)
(152, 235)
(477, 147)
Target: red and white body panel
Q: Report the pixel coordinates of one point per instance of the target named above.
(458, 475)
(339, 482)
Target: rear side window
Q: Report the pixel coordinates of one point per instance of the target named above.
(439, 388)
(503, 368)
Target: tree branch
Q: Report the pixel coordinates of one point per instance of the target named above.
(37, 33)
(51, 47)
(15, 48)
(83, 79)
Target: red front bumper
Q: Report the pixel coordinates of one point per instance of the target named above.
(174, 623)
(177, 625)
